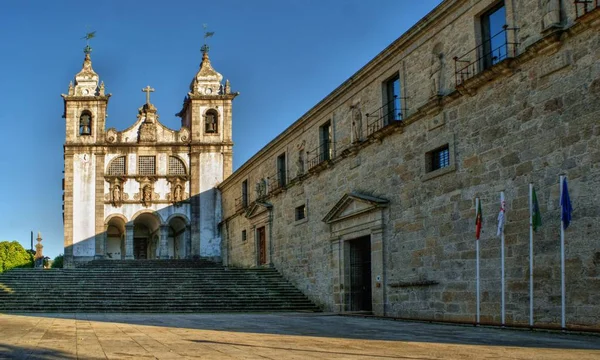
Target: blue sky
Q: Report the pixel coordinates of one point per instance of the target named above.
(283, 56)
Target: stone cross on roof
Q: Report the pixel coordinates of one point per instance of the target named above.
(148, 90)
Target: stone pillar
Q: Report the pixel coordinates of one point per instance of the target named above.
(377, 272)
(187, 242)
(164, 244)
(129, 242)
(338, 286)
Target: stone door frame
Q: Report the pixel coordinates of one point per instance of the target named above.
(355, 216)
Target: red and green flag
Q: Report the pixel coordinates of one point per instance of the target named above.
(478, 220)
(536, 215)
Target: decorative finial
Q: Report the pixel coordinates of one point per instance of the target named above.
(88, 36)
(148, 90)
(205, 48)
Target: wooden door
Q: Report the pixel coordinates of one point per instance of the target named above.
(262, 245)
(360, 274)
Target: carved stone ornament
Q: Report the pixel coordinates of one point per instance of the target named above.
(177, 194)
(111, 135)
(146, 194)
(147, 132)
(184, 134)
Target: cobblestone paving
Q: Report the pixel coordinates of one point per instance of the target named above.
(272, 336)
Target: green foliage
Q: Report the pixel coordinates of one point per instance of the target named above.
(13, 255)
(57, 263)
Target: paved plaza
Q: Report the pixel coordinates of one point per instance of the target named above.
(272, 336)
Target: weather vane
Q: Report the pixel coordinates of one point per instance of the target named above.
(207, 34)
(88, 36)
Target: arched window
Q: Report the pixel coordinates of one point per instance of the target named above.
(176, 166)
(211, 122)
(117, 166)
(85, 123)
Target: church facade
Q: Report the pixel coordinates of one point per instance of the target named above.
(147, 192)
(368, 201)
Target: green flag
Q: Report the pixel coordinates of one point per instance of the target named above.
(536, 216)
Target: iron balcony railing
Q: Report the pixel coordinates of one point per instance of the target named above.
(322, 153)
(485, 55)
(384, 115)
(275, 182)
(583, 7)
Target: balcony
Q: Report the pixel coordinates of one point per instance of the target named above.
(387, 114)
(583, 7)
(320, 155)
(489, 53)
(241, 203)
(276, 182)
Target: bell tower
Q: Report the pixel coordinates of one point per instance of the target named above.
(84, 113)
(207, 113)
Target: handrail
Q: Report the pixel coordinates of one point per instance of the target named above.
(322, 153)
(384, 115)
(465, 68)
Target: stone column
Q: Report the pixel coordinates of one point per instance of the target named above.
(187, 242)
(338, 286)
(164, 245)
(377, 272)
(129, 242)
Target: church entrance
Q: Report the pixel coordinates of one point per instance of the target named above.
(262, 245)
(145, 236)
(360, 274)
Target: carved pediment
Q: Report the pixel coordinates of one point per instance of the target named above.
(353, 204)
(257, 208)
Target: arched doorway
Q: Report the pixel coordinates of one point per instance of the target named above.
(115, 238)
(177, 239)
(146, 228)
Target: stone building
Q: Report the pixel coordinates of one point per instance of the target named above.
(367, 202)
(148, 191)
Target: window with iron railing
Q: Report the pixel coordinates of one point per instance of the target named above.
(496, 45)
(583, 7)
(281, 170)
(438, 158)
(319, 155)
(385, 115)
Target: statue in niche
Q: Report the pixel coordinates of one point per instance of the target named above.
(147, 195)
(261, 188)
(177, 193)
(300, 162)
(435, 71)
(356, 124)
(551, 11)
(116, 195)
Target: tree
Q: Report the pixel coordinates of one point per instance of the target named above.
(57, 263)
(13, 255)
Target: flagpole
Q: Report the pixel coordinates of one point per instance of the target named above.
(562, 256)
(530, 254)
(477, 265)
(502, 259)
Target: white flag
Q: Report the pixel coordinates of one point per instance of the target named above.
(501, 215)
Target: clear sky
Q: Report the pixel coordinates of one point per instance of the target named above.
(283, 56)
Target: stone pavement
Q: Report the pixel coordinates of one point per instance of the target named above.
(272, 336)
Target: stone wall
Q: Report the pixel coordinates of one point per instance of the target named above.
(527, 119)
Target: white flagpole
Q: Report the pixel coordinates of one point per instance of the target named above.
(502, 256)
(477, 262)
(562, 257)
(530, 255)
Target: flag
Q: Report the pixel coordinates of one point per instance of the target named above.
(501, 216)
(478, 221)
(565, 203)
(536, 215)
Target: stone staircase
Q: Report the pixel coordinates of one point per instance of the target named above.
(167, 286)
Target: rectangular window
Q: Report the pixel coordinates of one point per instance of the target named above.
(245, 193)
(439, 158)
(392, 100)
(492, 40)
(325, 139)
(300, 212)
(281, 170)
(146, 165)
(243, 235)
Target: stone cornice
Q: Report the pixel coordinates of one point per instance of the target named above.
(86, 98)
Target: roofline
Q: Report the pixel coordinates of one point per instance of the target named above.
(363, 72)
